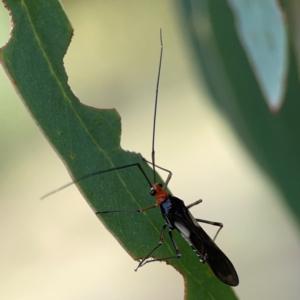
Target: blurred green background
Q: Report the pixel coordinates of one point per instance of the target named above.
(48, 251)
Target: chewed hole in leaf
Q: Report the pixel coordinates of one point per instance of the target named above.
(6, 26)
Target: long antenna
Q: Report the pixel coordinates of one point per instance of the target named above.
(155, 105)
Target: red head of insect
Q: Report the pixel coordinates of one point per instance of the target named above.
(158, 192)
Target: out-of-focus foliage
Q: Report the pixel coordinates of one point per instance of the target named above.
(249, 52)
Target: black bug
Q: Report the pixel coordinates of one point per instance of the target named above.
(177, 216)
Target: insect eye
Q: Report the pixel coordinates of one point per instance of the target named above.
(160, 184)
(152, 192)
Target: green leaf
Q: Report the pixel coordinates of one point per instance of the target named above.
(88, 140)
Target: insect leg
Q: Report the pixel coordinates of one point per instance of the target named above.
(161, 168)
(178, 253)
(205, 221)
(194, 203)
(212, 223)
(159, 244)
(134, 210)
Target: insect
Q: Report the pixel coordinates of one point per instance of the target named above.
(177, 217)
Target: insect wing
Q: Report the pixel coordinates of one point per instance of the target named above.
(219, 263)
(201, 242)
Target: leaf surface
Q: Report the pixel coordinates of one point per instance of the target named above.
(88, 140)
